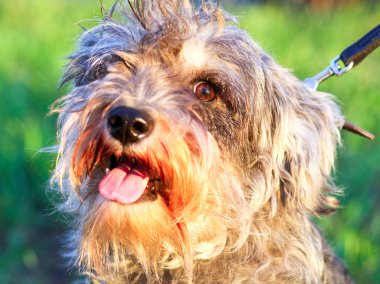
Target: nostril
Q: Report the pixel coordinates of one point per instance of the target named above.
(115, 121)
(140, 127)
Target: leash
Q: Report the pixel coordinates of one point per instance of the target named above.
(351, 57)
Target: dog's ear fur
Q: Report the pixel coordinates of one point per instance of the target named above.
(305, 130)
(293, 131)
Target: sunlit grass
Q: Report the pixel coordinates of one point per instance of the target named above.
(35, 36)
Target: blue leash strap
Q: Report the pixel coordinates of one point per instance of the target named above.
(359, 50)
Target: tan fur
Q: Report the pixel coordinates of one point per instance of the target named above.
(243, 174)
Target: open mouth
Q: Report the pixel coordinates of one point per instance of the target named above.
(128, 181)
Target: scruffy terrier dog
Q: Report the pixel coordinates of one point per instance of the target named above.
(188, 155)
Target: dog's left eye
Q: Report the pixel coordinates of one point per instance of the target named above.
(205, 91)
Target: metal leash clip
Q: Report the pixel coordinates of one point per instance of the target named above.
(351, 57)
(333, 69)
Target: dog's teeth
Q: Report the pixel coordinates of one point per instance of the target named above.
(107, 170)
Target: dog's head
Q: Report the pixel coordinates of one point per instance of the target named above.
(180, 136)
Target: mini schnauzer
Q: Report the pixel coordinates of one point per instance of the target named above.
(188, 155)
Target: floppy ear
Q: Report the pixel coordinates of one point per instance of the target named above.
(307, 131)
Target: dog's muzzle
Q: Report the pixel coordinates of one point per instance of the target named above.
(129, 125)
(129, 180)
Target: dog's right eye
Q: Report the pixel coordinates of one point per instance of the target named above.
(205, 91)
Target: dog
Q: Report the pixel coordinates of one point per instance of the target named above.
(188, 155)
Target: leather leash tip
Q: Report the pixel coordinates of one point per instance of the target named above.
(357, 130)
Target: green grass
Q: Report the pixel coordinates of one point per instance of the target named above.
(36, 35)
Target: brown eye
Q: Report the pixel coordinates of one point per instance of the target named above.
(205, 91)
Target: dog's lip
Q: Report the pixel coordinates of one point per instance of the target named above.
(155, 185)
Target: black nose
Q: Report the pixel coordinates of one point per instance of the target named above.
(129, 125)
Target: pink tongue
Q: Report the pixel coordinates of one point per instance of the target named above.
(123, 184)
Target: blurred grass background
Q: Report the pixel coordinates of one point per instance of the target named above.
(36, 35)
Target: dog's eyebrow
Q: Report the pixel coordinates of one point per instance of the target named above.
(214, 76)
(86, 71)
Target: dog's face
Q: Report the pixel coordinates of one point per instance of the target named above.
(179, 134)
